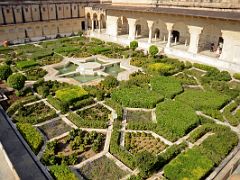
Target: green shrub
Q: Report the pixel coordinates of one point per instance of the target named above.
(62, 172)
(228, 114)
(204, 67)
(188, 165)
(136, 97)
(69, 95)
(153, 50)
(134, 45)
(26, 64)
(83, 103)
(140, 61)
(42, 54)
(5, 72)
(16, 81)
(216, 75)
(170, 113)
(160, 68)
(167, 86)
(35, 74)
(236, 76)
(31, 135)
(145, 162)
(109, 82)
(59, 105)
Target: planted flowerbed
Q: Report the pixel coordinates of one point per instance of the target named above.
(54, 129)
(60, 172)
(138, 142)
(167, 86)
(96, 113)
(137, 97)
(201, 100)
(171, 113)
(34, 114)
(138, 115)
(102, 168)
(74, 148)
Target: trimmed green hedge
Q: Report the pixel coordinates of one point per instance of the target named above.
(201, 100)
(69, 95)
(80, 122)
(83, 103)
(59, 105)
(62, 172)
(171, 113)
(167, 86)
(31, 135)
(117, 107)
(233, 120)
(136, 97)
(26, 64)
(236, 76)
(188, 165)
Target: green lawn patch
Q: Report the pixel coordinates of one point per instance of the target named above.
(136, 97)
(167, 86)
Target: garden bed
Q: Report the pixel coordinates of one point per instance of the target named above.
(54, 129)
(139, 142)
(139, 115)
(102, 168)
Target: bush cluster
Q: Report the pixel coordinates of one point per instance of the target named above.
(16, 81)
(167, 86)
(136, 97)
(31, 135)
(5, 72)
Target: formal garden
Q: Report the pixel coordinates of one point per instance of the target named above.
(171, 119)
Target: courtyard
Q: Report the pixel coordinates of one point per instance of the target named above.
(82, 103)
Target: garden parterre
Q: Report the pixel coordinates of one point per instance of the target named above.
(175, 104)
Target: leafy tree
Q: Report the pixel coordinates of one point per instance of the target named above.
(16, 81)
(134, 45)
(5, 72)
(153, 50)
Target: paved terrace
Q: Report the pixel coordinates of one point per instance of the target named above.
(23, 160)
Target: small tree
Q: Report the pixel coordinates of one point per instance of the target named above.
(16, 81)
(153, 50)
(134, 45)
(5, 72)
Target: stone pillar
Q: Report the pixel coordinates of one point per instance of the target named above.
(194, 38)
(112, 27)
(150, 26)
(92, 24)
(132, 28)
(169, 28)
(99, 26)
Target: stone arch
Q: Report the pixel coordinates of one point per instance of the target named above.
(123, 27)
(142, 29)
(160, 30)
(95, 20)
(210, 34)
(180, 32)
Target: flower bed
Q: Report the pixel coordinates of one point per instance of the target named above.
(102, 168)
(138, 142)
(34, 114)
(201, 100)
(167, 86)
(170, 113)
(137, 97)
(54, 129)
(74, 148)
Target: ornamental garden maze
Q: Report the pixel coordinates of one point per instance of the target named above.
(90, 109)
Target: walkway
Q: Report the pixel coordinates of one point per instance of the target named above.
(24, 161)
